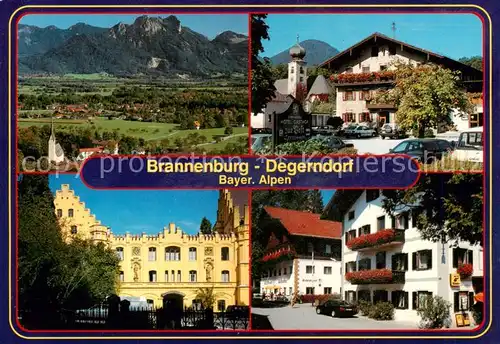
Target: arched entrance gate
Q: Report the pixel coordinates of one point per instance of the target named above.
(173, 307)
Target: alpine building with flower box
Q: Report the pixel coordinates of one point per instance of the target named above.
(302, 255)
(363, 70)
(384, 258)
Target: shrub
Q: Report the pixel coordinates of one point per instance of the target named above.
(382, 311)
(435, 314)
(305, 147)
(364, 307)
(228, 131)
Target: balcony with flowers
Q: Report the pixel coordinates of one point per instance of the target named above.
(279, 255)
(347, 79)
(376, 276)
(382, 238)
(465, 271)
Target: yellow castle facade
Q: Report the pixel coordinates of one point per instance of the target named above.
(172, 266)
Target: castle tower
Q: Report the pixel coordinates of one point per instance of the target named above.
(55, 151)
(297, 71)
(243, 254)
(99, 233)
(75, 218)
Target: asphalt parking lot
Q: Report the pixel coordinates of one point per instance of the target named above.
(304, 317)
(373, 145)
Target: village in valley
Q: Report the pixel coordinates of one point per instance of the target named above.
(146, 100)
(348, 100)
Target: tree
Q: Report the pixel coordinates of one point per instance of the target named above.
(425, 96)
(448, 207)
(207, 297)
(280, 71)
(205, 226)
(262, 74)
(474, 61)
(54, 274)
(315, 201)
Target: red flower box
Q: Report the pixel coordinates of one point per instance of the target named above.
(281, 254)
(369, 240)
(465, 271)
(369, 276)
(362, 77)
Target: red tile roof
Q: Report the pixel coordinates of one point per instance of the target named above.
(306, 224)
(95, 149)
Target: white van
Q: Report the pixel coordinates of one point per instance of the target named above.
(470, 145)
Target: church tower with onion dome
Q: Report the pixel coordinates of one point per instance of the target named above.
(297, 71)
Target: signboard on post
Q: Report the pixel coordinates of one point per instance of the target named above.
(292, 125)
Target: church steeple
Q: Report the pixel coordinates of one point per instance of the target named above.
(52, 135)
(297, 71)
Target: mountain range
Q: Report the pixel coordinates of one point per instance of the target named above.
(150, 45)
(316, 52)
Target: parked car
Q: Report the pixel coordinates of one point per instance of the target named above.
(348, 130)
(392, 131)
(260, 140)
(470, 145)
(337, 308)
(333, 142)
(424, 150)
(364, 131)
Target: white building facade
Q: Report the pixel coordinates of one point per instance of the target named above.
(313, 276)
(398, 266)
(365, 69)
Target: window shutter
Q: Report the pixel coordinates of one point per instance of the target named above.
(407, 221)
(393, 261)
(394, 297)
(393, 222)
(359, 231)
(345, 296)
(414, 296)
(353, 95)
(430, 261)
(471, 300)
(344, 96)
(455, 258)
(456, 302)
(354, 296)
(405, 261)
(353, 233)
(470, 257)
(405, 295)
(346, 268)
(414, 261)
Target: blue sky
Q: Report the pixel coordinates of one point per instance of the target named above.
(144, 211)
(209, 25)
(452, 35)
(327, 194)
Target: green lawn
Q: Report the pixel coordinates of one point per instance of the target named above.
(222, 144)
(146, 130)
